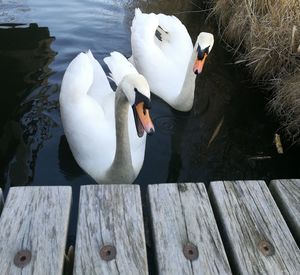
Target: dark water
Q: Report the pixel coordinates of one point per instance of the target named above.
(34, 55)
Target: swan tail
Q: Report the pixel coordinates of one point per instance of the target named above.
(119, 66)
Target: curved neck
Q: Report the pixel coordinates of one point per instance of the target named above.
(121, 170)
(184, 101)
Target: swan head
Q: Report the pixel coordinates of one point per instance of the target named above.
(204, 44)
(137, 91)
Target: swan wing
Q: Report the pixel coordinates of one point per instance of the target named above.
(90, 134)
(78, 78)
(161, 48)
(100, 88)
(176, 41)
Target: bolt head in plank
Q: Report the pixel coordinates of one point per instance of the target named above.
(185, 233)
(256, 236)
(33, 226)
(110, 231)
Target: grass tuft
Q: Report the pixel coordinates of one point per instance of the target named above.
(265, 36)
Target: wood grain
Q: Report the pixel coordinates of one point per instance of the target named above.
(181, 213)
(257, 239)
(110, 215)
(35, 219)
(287, 196)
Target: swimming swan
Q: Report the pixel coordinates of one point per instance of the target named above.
(162, 51)
(106, 138)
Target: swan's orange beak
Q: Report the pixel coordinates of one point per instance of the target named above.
(199, 63)
(143, 120)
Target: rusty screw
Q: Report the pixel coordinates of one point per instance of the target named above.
(22, 258)
(266, 248)
(190, 251)
(108, 252)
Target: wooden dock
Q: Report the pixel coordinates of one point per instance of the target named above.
(229, 227)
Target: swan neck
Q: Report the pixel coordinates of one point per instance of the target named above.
(121, 170)
(184, 101)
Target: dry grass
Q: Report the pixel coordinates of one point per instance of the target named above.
(265, 35)
(286, 104)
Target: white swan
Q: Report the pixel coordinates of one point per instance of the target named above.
(105, 137)
(162, 51)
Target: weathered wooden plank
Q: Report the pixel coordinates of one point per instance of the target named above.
(1, 201)
(287, 196)
(257, 239)
(110, 215)
(181, 214)
(34, 219)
